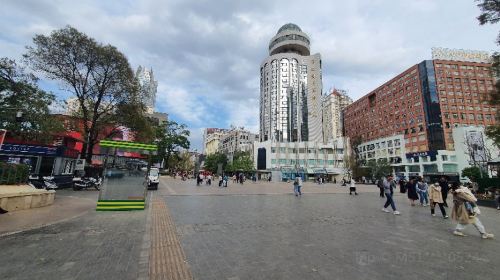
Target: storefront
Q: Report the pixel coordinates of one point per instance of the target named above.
(43, 160)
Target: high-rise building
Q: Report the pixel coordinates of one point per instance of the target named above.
(426, 101)
(290, 89)
(333, 105)
(148, 87)
(291, 128)
(416, 121)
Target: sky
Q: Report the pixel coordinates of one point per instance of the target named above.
(206, 54)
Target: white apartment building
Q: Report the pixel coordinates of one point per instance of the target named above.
(236, 140)
(471, 147)
(308, 159)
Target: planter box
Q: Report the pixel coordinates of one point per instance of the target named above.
(21, 197)
(486, 203)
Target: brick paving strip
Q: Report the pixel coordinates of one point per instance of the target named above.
(166, 258)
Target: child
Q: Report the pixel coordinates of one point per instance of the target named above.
(352, 188)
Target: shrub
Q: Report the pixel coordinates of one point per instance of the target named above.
(12, 174)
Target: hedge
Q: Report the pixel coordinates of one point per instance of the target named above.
(13, 174)
(486, 183)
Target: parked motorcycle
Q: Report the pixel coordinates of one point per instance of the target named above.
(87, 183)
(42, 182)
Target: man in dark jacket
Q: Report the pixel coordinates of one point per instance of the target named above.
(380, 185)
(443, 183)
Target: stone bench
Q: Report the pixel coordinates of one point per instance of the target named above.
(21, 197)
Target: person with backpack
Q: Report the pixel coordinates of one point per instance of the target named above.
(388, 183)
(380, 185)
(297, 184)
(422, 189)
(459, 213)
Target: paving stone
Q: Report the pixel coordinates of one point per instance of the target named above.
(326, 236)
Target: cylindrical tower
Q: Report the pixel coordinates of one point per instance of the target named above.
(290, 89)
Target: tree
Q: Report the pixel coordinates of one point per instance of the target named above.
(171, 137)
(490, 13)
(98, 75)
(380, 168)
(181, 162)
(212, 162)
(19, 92)
(242, 161)
(473, 173)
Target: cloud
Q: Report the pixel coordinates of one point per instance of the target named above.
(206, 55)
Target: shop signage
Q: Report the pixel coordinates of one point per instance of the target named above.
(28, 150)
(80, 164)
(421, 154)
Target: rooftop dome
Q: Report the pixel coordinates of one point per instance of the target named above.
(289, 26)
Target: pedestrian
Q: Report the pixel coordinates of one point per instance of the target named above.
(380, 185)
(242, 178)
(497, 198)
(269, 178)
(224, 181)
(296, 186)
(234, 178)
(352, 188)
(209, 179)
(334, 180)
(402, 186)
(459, 212)
(422, 190)
(436, 197)
(411, 188)
(387, 183)
(445, 189)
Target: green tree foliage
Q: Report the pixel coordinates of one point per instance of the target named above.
(378, 169)
(171, 137)
(473, 173)
(19, 92)
(242, 161)
(181, 162)
(490, 14)
(98, 75)
(212, 162)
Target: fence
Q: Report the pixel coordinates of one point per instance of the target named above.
(12, 174)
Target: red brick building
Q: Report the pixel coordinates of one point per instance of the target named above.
(425, 102)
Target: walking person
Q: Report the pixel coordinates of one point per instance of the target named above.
(411, 188)
(436, 197)
(297, 184)
(380, 185)
(388, 191)
(402, 185)
(460, 214)
(422, 189)
(445, 189)
(352, 188)
(497, 199)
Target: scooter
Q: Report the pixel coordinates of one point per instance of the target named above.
(86, 183)
(39, 182)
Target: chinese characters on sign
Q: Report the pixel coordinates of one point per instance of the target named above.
(461, 55)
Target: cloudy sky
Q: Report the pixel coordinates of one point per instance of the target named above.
(206, 54)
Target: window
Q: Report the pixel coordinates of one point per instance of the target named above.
(444, 157)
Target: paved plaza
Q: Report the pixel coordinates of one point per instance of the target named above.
(252, 231)
(327, 235)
